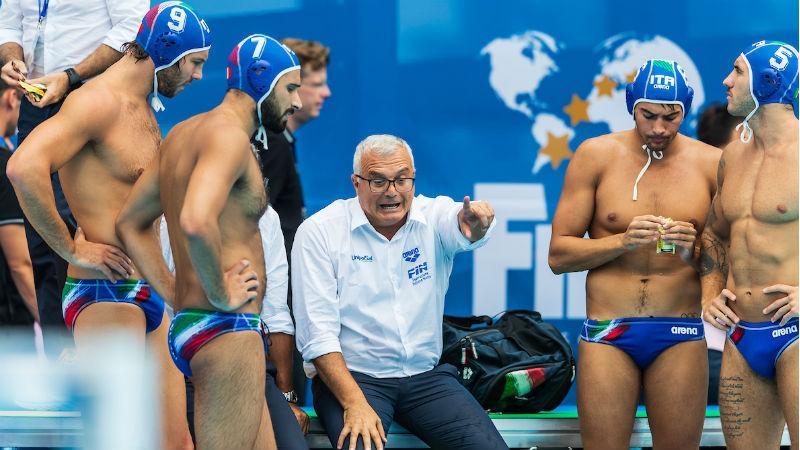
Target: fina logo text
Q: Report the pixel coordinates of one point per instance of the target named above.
(685, 330)
(784, 331)
(662, 81)
(365, 258)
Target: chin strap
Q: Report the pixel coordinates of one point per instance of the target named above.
(155, 102)
(747, 132)
(650, 155)
(261, 136)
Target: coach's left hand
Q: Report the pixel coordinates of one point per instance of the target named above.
(786, 307)
(475, 219)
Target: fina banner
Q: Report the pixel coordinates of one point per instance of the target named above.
(494, 98)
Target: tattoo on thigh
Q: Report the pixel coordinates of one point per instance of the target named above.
(732, 411)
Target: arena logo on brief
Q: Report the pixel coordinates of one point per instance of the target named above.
(364, 258)
(685, 330)
(411, 255)
(784, 331)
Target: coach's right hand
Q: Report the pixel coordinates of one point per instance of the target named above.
(13, 72)
(642, 230)
(241, 285)
(718, 314)
(360, 419)
(109, 260)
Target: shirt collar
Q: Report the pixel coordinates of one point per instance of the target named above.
(359, 219)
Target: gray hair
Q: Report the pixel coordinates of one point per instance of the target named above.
(382, 145)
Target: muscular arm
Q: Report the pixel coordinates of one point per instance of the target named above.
(137, 226)
(569, 250)
(222, 161)
(49, 147)
(15, 250)
(714, 245)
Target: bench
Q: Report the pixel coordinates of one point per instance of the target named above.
(556, 429)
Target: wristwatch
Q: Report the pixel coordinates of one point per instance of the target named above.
(290, 396)
(74, 78)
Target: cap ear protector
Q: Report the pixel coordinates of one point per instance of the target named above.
(767, 82)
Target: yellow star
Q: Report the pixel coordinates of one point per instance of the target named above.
(577, 110)
(631, 76)
(605, 86)
(557, 149)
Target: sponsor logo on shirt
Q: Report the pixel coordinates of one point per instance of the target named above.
(686, 330)
(365, 258)
(418, 274)
(411, 255)
(784, 331)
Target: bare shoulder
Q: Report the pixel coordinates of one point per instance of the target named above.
(220, 136)
(94, 101)
(596, 153)
(704, 153)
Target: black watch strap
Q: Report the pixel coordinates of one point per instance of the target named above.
(74, 78)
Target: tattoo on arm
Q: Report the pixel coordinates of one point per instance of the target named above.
(713, 255)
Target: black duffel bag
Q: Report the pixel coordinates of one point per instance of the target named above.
(517, 364)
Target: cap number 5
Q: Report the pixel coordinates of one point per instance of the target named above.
(784, 54)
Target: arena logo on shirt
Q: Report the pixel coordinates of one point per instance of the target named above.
(364, 258)
(411, 255)
(418, 274)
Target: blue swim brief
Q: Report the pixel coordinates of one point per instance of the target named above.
(643, 338)
(79, 293)
(192, 328)
(763, 343)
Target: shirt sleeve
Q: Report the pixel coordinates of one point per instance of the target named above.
(10, 212)
(446, 217)
(314, 294)
(275, 309)
(126, 15)
(10, 22)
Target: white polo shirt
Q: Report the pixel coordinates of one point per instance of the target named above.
(72, 30)
(378, 302)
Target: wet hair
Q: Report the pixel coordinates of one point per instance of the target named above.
(311, 54)
(715, 125)
(134, 49)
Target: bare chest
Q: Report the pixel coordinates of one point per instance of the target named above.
(764, 188)
(249, 193)
(664, 191)
(129, 145)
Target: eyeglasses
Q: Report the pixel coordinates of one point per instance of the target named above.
(380, 185)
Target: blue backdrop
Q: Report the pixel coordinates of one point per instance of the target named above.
(493, 97)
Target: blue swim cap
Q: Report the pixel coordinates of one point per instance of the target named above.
(170, 31)
(660, 81)
(255, 65)
(773, 77)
